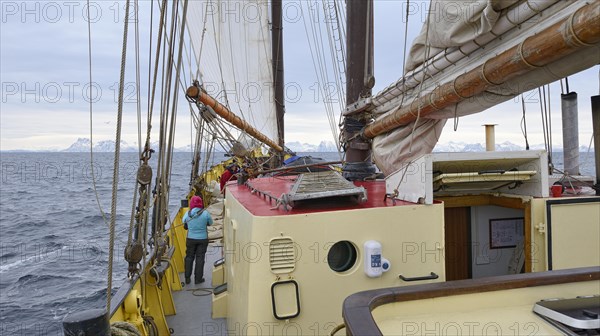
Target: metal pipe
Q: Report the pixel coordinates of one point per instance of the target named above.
(596, 130)
(194, 93)
(570, 131)
(490, 137)
(580, 30)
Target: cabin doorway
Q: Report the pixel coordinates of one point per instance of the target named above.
(472, 222)
(457, 235)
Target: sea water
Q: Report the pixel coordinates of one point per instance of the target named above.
(54, 240)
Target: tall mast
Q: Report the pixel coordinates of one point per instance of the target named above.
(359, 82)
(278, 80)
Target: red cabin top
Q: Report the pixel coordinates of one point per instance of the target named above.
(260, 204)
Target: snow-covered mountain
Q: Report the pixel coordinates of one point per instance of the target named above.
(83, 145)
(297, 146)
(326, 146)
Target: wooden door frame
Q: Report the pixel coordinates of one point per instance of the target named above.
(501, 201)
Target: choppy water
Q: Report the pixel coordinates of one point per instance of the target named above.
(53, 240)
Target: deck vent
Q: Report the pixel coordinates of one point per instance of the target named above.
(282, 255)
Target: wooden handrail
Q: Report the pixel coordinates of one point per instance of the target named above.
(357, 308)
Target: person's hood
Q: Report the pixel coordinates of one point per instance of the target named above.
(196, 202)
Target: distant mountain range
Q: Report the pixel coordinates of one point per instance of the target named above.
(324, 146)
(83, 145)
(501, 147)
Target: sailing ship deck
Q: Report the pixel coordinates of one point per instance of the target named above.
(193, 304)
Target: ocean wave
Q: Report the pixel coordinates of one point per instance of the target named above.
(39, 256)
(58, 212)
(9, 266)
(7, 255)
(32, 278)
(94, 218)
(50, 237)
(81, 299)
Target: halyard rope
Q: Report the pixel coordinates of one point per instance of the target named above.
(91, 115)
(115, 184)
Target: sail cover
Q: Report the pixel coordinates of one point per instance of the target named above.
(454, 23)
(458, 37)
(231, 49)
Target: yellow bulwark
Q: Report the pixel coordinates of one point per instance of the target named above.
(146, 300)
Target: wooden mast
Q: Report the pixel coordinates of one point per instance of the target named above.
(359, 82)
(580, 30)
(278, 79)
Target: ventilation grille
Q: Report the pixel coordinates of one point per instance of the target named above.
(282, 255)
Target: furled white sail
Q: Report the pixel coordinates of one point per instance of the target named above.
(231, 44)
(458, 37)
(453, 24)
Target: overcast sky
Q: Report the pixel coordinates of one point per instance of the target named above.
(44, 70)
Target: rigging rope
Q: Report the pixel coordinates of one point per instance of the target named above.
(338, 65)
(320, 67)
(150, 52)
(156, 63)
(545, 126)
(124, 329)
(202, 40)
(162, 187)
(406, 20)
(138, 81)
(524, 124)
(547, 115)
(549, 108)
(588, 156)
(426, 56)
(91, 117)
(176, 95)
(115, 184)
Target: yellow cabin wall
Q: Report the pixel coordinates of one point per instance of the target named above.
(411, 237)
(538, 255)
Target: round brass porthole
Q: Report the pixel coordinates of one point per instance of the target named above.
(342, 256)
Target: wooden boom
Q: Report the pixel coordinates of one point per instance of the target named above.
(579, 30)
(193, 92)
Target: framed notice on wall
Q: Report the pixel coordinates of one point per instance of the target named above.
(505, 232)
